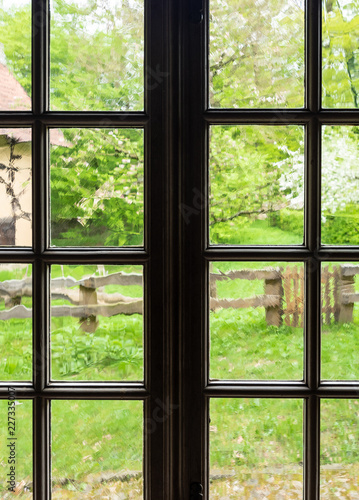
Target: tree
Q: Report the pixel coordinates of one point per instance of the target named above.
(103, 205)
(257, 53)
(340, 54)
(246, 166)
(256, 60)
(14, 190)
(96, 64)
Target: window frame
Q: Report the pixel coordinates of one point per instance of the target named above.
(198, 389)
(154, 391)
(176, 122)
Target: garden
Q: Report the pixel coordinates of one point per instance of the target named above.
(256, 197)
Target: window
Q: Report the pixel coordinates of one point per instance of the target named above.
(68, 153)
(245, 399)
(177, 258)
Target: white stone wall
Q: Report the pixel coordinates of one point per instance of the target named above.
(22, 187)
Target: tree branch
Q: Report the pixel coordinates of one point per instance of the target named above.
(239, 214)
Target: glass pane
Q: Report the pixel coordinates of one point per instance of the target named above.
(256, 185)
(97, 322)
(15, 187)
(340, 52)
(15, 55)
(16, 447)
(256, 320)
(340, 321)
(106, 443)
(256, 449)
(97, 55)
(339, 449)
(340, 185)
(15, 322)
(97, 178)
(256, 53)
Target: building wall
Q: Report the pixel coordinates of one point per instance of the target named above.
(22, 189)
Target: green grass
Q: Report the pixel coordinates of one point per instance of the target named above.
(90, 438)
(257, 232)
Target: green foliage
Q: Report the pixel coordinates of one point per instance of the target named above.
(246, 165)
(97, 55)
(97, 188)
(288, 220)
(341, 228)
(15, 36)
(114, 352)
(340, 54)
(256, 53)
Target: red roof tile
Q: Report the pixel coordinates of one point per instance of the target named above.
(14, 98)
(12, 95)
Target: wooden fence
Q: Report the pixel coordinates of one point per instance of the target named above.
(88, 300)
(282, 298)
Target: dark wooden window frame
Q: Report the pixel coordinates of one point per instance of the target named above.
(154, 390)
(176, 254)
(197, 388)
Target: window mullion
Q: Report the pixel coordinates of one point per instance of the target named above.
(41, 412)
(312, 241)
(158, 408)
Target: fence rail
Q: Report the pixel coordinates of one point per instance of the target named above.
(88, 301)
(282, 298)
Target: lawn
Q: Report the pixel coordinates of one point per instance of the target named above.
(256, 445)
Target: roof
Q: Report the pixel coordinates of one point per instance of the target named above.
(12, 95)
(14, 98)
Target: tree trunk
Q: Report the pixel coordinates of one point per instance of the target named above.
(7, 232)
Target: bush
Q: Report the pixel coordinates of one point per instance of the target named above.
(288, 220)
(342, 228)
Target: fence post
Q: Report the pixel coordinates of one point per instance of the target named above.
(336, 292)
(274, 313)
(212, 287)
(88, 296)
(346, 286)
(327, 308)
(11, 302)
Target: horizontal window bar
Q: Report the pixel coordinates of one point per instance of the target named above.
(246, 389)
(91, 119)
(281, 253)
(89, 256)
(114, 390)
(214, 116)
(17, 256)
(340, 117)
(280, 117)
(94, 256)
(257, 253)
(275, 117)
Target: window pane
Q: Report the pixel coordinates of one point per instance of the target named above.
(339, 449)
(256, 53)
(256, 320)
(15, 187)
(256, 449)
(340, 52)
(15, 55)
(16, 447)
(340, 321)
(15, 322)
(97, 322)
(256, 185)
(97, 178)
(340, 185)
(97, 55)
(106, 443)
